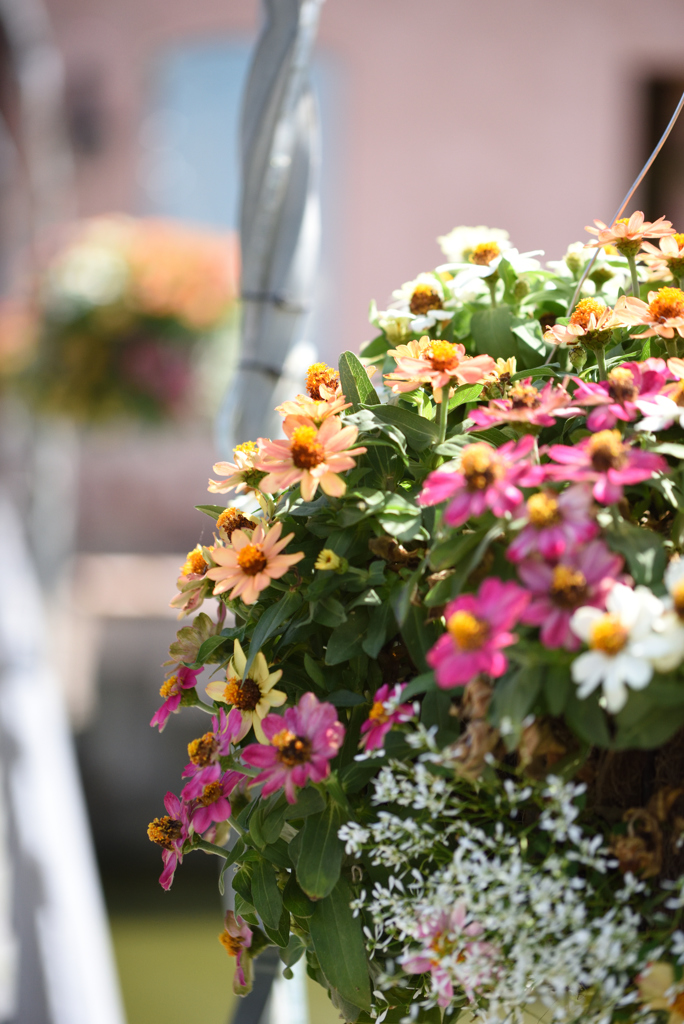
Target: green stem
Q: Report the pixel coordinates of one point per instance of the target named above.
(208, 710)
(635, 277)
(491, 284)
(442, 414)
(601, 360)
(671, 346)
(202, 844)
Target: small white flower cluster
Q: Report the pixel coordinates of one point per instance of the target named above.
(537, 933)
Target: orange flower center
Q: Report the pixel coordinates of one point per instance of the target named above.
(621, 384)
(232, 519)
(307, 451)
(608, 635)
(677, 1004)
(211, 793)
(244, 695)
(607, 451)
(678, 598)
(668, 303)
(484, 253)
(524, 396)
(584, 310)
(676, 392)
(194, 563)
(469, 632)
(168, 687)
(480, 466)
(424, 298)
(164, 831)
(542, 509)
(292, 750)
(378, 713)
(231, 943)
(252, 559)
(201, 751)
(568, 587)
(443, 355)
(317, 374)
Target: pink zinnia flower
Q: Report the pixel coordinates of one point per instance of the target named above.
(615, 398)
(486, 478)
(584, 576)
(607, 461)
(525, 404)
(440, 364)
(242, 474)
(312, 456)
(477, 628)
(207, 750)
(301, 745)
(209, 791)
(555, 523)
(172, 692)
(386, 712)
(170, 832)
(663, 314)
(252, 561)
(627, 233)
(235, 938)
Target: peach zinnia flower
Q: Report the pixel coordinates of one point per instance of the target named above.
(627, 233)
(242, 475)
(663, 314)
(589, 319)
(249, 565)
(440, 364)
(669, 258)
(311, 456)
(311, 410)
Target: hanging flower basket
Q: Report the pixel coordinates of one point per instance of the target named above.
(446, 752)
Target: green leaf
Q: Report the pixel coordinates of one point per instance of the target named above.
(346, 640)
(235, 854)
(209, 647)
(418, 635)
(293, 951)
(242, 883)
(421, 684)
(211, 510)
(557, 687)
(280, 935)
(266, 896)
(530, 348)
(587, 720)
(309, 801)
(321, 852)
(314, 671)
(339, 945)
(491, 332)
(355, 382)
(464, 394)
(513, 699)
(345, 699)
(296, 900)
(380, 622)
(454, 549)
(643, 550)
(419, 432)
(270, 622)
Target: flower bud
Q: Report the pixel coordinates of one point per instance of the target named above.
(573, 262)
(328, 561)
(521, 289)
(578, 357)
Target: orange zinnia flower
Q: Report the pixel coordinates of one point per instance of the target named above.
(663, 314)
(311, 410)
(627, 233)
(311, 456)
(252, 561)
(589, 319)
(440, 364)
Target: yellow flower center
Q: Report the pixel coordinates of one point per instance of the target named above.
(307, 451)
(244, 695)
(247, 448)
(608, 635)
(480, 466)
(211, 793)
(678, 598)
(568, 587)
(484, 253)
(252, 559)
(194, 563)
(317, 374)
(621, 384)
(200, 751)
(524, 396)
(231, 943)
(168, 687)
(164, 831)
(292, 750)
(668, 303)
(622, 220)
(607, 451)
(377, 712)
(679, 239)
(443, 355)
(542, 509)
(469, 632)
(677, 1004)
(424, 298)
(584, 310)
(676, 393)
(232, 519)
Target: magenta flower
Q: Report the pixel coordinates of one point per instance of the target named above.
(386, 712)
(206, 750)
(555, 523)
(486, 478)
(584, 576)
(235, 938)
(526, 405)
(208, 792)
(301, 745)
(172, 692)
(614, 399)
(605, 460)
(477, 628)
(170, 832)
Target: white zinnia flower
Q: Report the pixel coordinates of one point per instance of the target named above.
(484, 261)
(460, 242)
(664, 647)
(423, 301)
(659, 412)
(615, 659)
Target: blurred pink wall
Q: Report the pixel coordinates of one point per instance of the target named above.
(521, 115)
